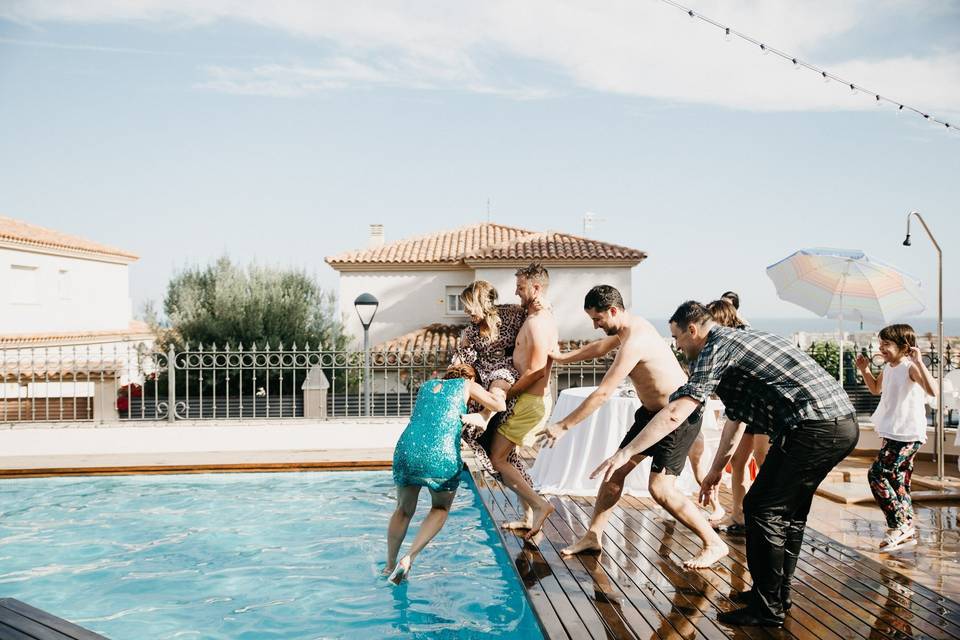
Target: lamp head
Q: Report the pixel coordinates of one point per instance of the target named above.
(366, 306)
(906, 241)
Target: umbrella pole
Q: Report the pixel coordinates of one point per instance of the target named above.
(840, 331)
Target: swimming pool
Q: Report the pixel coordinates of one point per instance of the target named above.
(244, 556)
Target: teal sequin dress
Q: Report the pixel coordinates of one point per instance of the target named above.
(428, 451)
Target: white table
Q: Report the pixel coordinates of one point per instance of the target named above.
(565, 469)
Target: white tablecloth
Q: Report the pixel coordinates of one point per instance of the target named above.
(567, 466)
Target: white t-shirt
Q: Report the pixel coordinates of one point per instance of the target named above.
(901, 414)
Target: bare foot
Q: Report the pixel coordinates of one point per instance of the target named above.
(401, 571)
(540, 515)
(717, 513)
(473, 420)
(708, 556)
(387, 570)
(589, 543)
(514, 525)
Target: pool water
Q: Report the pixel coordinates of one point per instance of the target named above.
(237, 556)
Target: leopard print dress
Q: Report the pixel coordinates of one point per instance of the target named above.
(493, 360)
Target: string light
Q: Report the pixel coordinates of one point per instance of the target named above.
(797, 64)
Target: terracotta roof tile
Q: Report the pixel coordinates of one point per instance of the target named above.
(487, 242)
(433, 337)
(32, 235)
(136, 329)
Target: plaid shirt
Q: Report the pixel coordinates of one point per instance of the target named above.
(764, 380)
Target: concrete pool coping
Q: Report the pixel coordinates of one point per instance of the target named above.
(247, 446)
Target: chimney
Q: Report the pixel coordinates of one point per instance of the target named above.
(376, 236)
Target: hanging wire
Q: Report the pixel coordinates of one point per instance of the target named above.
(797, 63)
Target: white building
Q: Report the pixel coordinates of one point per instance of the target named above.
(66, 322)
(418, 280)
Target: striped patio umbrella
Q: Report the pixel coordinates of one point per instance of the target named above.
(837, 282)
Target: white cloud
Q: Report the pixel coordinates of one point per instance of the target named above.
(631, 47)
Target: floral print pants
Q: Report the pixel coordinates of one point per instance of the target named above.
(889, 478)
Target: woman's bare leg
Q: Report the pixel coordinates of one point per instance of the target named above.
(432, 523)
(399, 522)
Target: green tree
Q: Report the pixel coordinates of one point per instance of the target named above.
(226, 304)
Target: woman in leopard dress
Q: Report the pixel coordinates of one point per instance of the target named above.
(487, 345)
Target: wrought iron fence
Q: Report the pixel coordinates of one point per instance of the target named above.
(135, 382)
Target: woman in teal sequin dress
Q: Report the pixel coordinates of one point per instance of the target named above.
(428, 455)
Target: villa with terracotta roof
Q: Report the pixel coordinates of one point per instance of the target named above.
(418, 280)
(65, 303)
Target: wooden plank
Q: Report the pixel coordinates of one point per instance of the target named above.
(679, 605)
(558, 619)
(701, 588)
(64, 628)
(601, 600)
(880, 582)
(569, 581)
(9, 633)
(805, 619)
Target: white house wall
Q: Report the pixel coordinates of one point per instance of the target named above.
(96, 297)
(408, 300)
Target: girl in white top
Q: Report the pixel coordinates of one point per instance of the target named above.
(901, 423)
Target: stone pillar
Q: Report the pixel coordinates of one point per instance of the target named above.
(105, 399)
(315, 389)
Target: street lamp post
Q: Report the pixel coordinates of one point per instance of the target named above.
(938, 427)
(366, 306)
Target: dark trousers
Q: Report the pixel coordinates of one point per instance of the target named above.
(777, 504)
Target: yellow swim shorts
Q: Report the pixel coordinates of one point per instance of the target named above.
(529, 417)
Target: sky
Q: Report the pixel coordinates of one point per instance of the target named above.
(277, 132)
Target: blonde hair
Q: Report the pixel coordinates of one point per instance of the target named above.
(480, 298)
(724, 313)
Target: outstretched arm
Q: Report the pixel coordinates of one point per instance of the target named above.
(528, 379)
(495, 399)
(666, 421)
(729, 439)
(588, 351)
(627, 358)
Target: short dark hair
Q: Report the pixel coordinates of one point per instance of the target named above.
(733, 297)
(535, 272)
(603, 297)
(690, 312)
(901, 335)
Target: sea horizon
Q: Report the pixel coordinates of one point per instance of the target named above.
(787, 327)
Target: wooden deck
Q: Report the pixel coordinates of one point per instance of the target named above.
(20, 621)
(637, 588)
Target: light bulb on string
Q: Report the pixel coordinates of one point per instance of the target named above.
(726, 35)
(796, 65)
(763, 48)
(878, 101)
(691, 14)
(826, 78)
(853, 89)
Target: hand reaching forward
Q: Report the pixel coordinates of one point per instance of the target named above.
(549, 436)
(609, 466)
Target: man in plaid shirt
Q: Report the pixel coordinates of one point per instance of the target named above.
(763, 380)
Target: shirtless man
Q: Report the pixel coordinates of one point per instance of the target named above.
(537, 338)
(655, 373)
